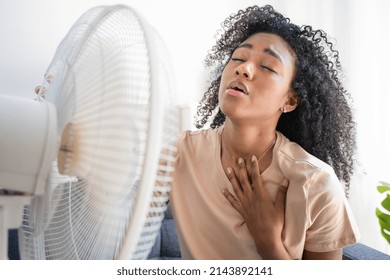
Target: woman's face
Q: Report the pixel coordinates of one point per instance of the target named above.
(256, 81)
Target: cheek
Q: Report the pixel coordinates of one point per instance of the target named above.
(225, 75)
(223, 82)
(278, 86)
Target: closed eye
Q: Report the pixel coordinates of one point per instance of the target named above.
(268, 68)
(237, 59)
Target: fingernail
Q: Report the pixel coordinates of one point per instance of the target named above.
(253, 158)
(240, 161)
(285, 182)
(229, 170)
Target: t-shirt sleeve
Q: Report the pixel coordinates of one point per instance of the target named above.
(331, 224)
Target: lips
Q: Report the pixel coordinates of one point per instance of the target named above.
(238, 87)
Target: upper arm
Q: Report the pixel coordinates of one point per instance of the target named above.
(331, 255)
(331, 223)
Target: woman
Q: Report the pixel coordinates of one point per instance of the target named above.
(259, 184)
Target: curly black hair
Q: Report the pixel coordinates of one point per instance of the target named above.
(322, 123)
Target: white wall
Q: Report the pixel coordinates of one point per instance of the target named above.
(31, 30)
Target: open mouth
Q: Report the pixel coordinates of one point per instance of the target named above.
(238, 89)
(238, 86)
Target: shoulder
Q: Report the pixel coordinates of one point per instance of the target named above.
(311, 182)
(198, 137)
(305, 170)
(295, 154)
(201, 133)
(191, 142)
(290, 155)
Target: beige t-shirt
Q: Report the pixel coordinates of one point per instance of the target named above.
(317, 215)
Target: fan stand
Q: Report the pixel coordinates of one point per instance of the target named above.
(11, 215)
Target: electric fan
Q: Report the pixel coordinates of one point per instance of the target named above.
(87, 165)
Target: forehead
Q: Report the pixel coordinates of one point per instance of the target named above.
(273, 42)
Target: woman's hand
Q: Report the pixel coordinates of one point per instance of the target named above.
(263, 216)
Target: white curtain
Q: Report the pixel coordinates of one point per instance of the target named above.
(368, 75)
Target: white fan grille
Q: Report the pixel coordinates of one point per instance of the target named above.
(100, 81)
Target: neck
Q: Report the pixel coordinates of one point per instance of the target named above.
(245, 141)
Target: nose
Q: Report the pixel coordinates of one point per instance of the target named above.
(245, 70)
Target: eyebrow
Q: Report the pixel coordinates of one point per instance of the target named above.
(266, 50)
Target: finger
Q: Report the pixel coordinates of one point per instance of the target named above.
(255, 171)
(257, 180)
(235, 183)
(280, 199)
(243, 176)
(232, 200)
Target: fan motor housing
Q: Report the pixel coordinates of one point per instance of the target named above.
(27, 143)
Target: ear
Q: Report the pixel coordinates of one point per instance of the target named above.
(292, 101)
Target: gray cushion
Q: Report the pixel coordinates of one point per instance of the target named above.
(362, 252)
(167, 245)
